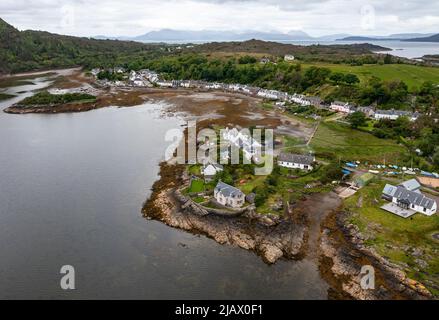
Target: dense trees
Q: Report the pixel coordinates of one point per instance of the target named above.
(357, 119)
(30, 50)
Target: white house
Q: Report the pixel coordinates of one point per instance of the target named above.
(409, 200)
(300, 99)
(249, 146)
(289, 57)
(211, 169)
(395, 114)
(342, 107)
(296, 161)
(166, 84)
(228, 196)
(95, 71)
(268, 94)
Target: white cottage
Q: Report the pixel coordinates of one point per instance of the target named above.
(395, 114)
(228, 196)
(296, 161)
(211, 169)
(409, 200)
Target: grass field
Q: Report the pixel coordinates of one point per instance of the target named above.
(412, 75)
(397, 238)
(348, 144)
(197, 185)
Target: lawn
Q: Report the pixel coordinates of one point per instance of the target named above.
(394, 237)
(195, 169)
(347, 144)
(412, 75)
(251, 183)
(197, 185)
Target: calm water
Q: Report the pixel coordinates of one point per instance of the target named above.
(71, 191)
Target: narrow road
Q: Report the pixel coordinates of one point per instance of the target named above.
(313, 134)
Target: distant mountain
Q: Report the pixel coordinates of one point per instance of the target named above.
(433, 38)
(358, 38)
(332, 37)
(397, 36)
(404, 36)
(212, 35)
(171, 35)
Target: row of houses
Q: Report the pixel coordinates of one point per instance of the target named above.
(148, 78)
(371, 112)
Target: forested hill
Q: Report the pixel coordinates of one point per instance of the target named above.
(32, 50)
(330, 53)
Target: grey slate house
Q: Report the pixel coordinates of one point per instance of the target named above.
(228, 196)
(296, 161)
(410, 200)
(412, 185)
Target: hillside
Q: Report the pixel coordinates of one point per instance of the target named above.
(433, 38)
(32, 50)
(314, 52)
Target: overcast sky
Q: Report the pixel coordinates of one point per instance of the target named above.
(135, 17)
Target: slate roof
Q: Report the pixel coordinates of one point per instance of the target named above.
(411, 185)
(389, 190)
(408, 196)
(395, 112)
(296, 158)
(228, 191)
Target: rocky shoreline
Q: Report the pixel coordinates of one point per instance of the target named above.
(343, 253)
(340, 252)
(269, 238)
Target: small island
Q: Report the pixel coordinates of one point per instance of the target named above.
(45, 102)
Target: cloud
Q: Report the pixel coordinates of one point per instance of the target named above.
(134, 17)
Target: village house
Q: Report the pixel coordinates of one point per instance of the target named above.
(209, 170)
(406, 203)
(165, 84)
(299, 99)
(289, 57)
(368, 111)
(314, 101)
(296, 161)
(228, 196)
(250, 147)
(95, 71)
(268, 94)
(395, 114)
(343, 107)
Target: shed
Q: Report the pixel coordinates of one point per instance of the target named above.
(364, 179)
